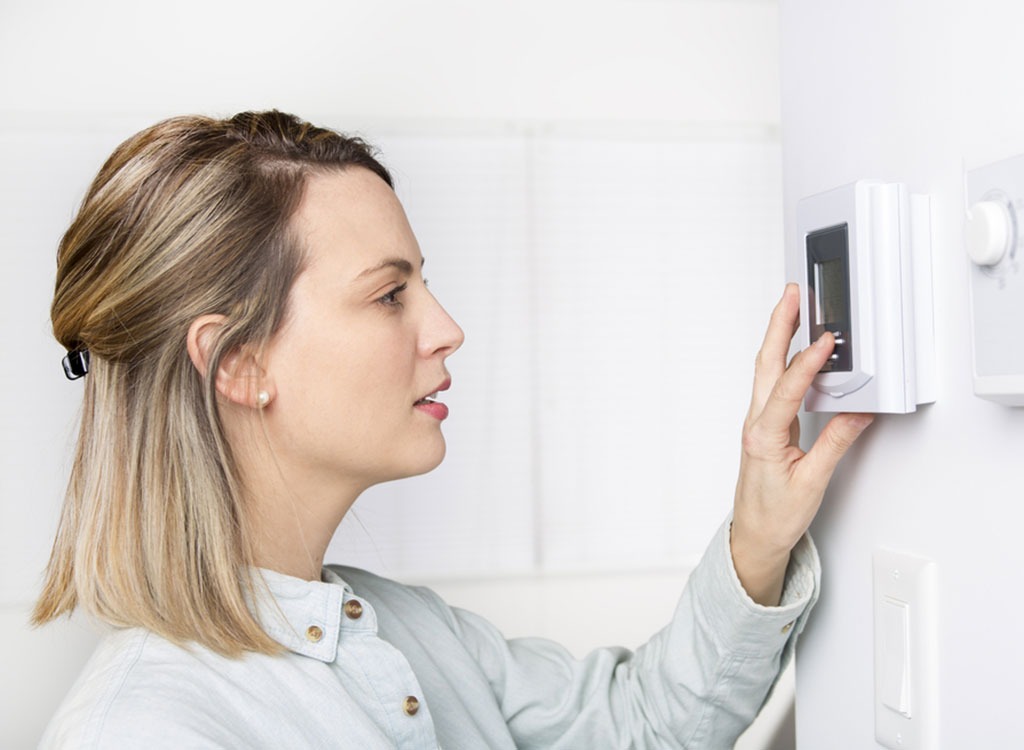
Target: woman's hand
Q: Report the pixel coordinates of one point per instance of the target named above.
(780, 487)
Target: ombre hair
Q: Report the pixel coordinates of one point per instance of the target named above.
(186, 218)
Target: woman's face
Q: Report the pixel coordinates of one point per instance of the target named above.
(363, 344)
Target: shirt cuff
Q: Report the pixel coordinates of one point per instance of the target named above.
(742, 626)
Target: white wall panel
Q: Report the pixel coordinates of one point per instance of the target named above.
(656, 260)
(934, 94)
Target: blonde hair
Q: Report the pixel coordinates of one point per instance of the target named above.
(188, 217)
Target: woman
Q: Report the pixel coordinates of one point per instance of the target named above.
(246, 302)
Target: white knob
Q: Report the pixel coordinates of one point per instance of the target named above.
(988, 232)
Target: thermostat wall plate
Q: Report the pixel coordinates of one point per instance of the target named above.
(995, 196)
(865, 272)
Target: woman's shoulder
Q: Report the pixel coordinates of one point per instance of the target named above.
(99, 690)
(138, 689)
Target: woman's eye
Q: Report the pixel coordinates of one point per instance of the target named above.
(391, 298)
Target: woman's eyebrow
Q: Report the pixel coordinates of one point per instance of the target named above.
(400, 263)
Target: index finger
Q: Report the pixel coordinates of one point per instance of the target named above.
(771, 359)
(783, 403)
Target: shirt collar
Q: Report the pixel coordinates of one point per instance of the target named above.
(303, 616)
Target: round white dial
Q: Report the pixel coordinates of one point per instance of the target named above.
(989, 232)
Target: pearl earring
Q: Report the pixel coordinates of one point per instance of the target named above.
(262, 399)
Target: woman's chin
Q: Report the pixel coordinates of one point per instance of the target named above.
(422, 463)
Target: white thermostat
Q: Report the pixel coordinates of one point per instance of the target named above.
(995, 199)
(864, 266)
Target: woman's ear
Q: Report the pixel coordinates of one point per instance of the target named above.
(240, 378)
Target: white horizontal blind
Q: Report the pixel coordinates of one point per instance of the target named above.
(613, 292)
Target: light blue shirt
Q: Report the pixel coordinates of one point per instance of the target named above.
(373, 664)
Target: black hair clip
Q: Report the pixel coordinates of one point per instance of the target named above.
(76, 363)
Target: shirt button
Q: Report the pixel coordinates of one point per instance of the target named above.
(353, 609)
(411, 705)
(787, 627)
(314, 633)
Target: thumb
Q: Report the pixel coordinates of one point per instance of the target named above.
(839, 434)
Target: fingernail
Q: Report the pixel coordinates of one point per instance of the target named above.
(822, 342)
(862, 421)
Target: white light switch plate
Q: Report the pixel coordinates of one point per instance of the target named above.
(906, 664)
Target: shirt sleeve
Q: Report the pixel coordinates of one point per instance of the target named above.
(697, 684)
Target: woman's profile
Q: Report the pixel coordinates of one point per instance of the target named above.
(245, 302)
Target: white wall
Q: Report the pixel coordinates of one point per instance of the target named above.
(913, 91)
(691, 61)
(576, 173)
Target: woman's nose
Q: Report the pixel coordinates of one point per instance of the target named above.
(442, 335)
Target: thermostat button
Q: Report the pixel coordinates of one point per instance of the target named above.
(988, 232)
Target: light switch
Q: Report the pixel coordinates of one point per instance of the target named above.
(895, 682)
(906, 652)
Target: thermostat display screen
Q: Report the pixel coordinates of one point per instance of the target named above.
(828, 284)
(831, 285)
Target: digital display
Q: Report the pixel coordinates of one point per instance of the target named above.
(828, 282)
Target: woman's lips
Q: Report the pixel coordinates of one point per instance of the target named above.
(435, 409)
